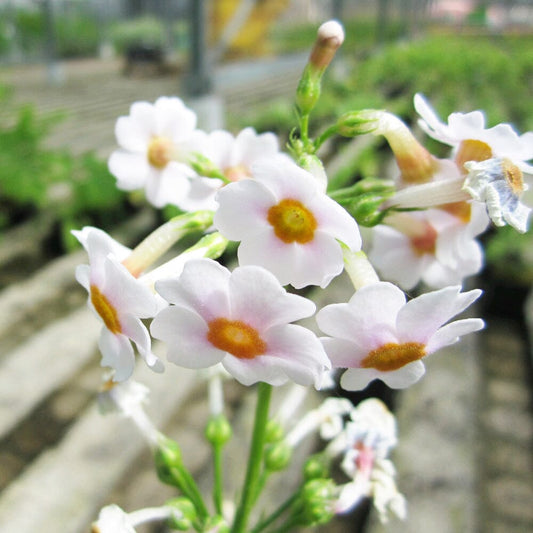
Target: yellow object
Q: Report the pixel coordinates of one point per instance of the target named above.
(251, 39)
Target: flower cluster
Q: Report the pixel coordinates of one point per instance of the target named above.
(294, 232)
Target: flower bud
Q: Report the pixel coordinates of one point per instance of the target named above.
(354, 123)
(278, 456)
(317, 500)
(216, 524)
(316, 467)
(330, 36)
(167, 457)
(274, 431)
(218, 431)
(184, 516)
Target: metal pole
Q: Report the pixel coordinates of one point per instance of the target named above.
(53, 70)
(198, 82)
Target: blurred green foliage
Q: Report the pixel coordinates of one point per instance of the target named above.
(143, 30)
(76, 190)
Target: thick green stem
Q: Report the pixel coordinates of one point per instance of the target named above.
(253, 472)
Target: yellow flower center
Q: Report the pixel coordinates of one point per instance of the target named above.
(159, 152)
(292, 221)
(106, 311)
(237, 172)
(236, 337)
(460, 210)
(392, 356)
(513, 176)
(472, 150)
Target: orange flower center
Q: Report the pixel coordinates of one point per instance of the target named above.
(159, 152)
(292, 221)
(236, 337)
(392, 356)
(425, 242)
(472, 150)
(106, 311)
(460, 210)
(513, 176)
(237, 172)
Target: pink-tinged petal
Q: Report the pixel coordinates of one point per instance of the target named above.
(130, 169)
(298, 352)
(450, 333)
(132, 135)
(251, 146)
(466, 125)
(99, 244)
(343, 353)
(201, 195)
(82, 276)
(168, 186)
(403, 377)
(202, 286)
(285, 179)
(137, 332)
(257, 298)
(243, 209)
(217, 147)
(252, 371)
(174, 119)
(142, 114)
(392, 255)
(430, 122)
(424, 315)
(358, 378)
(185, 334)
(335, 221)
(117, 353)
(127, 294)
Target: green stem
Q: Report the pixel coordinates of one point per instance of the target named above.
(189, 488)
(249, 490)
(275, 515)
(304, 129)
(325, 135)
(218, 476)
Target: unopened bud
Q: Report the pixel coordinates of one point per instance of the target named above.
(274, 431)
(330, 37)
(353, 123)
(318, 498)
(184, 516)
(218, 431)
(278, 456)
(316, 467)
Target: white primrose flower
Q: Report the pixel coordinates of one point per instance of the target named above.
(368, 440)
(434, 246)
(286, 224)
(153, 154)
(472, 141)
(112, 519)
(500, 184)
(232, 155)
(119, 300)
(377, 335)
(241, 319)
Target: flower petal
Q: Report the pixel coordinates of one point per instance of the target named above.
(117, 353)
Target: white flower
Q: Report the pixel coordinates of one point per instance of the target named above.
(112, 519)
(472, 140)
(127, 399)
(120, 301)
(232, 155)
(433, 246)
(377, 335)
(286, 224)
(240, 319)
(500, 184)
(153, 140)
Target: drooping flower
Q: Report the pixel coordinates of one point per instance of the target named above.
(286, 224)
(232, 155)
(436, 246)
(366, 443)
(377, 335)
(472, 141)
(240, 319)
(153, 150)
(119, 300)
(500, 184)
